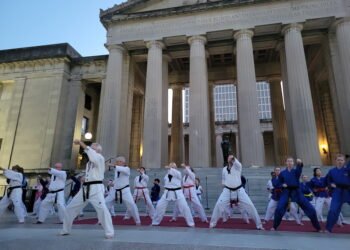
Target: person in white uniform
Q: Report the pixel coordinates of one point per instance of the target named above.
(14, 193)
(110, 195)
(189, 189)
(233, 190)
(92, 192)
(122, 193)
(141, 192)
(55, 195)
(173, 192)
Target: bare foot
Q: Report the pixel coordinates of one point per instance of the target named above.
(109, 236)
(211, 226)
(327, 232)
(272, 229)
(138, 224)
(261, 228)
(172, 220)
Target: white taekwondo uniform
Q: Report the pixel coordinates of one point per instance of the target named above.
(233, 190)
(55, 195)
(92, 192)
(122, 193)
(190, 192)
(173, 192)
(141, 192)
(13, 194)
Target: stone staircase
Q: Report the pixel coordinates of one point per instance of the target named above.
(257, 178)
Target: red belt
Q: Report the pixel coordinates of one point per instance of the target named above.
(143, 194)
(189, 191)
(277, 189)
(320, 189)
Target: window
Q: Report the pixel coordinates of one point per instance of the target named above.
(85, 126)
(88, 102)
(225, 102)
(264, 100)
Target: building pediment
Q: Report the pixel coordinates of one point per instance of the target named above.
(136, 9)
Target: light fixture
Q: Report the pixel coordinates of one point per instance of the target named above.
(141, 150)
(88, 136)
(324, 148)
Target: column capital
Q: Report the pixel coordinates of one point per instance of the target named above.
(292, 26)
(200, 39)
(176, 86)
(274, 78)
(167, 58)
(113, 47)
(244, 32)
(157, 44)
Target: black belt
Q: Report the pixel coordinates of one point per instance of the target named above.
(55, 192)
(9, 190)
(174, 190)
(233, 189)
(88, 184)
(120, 194)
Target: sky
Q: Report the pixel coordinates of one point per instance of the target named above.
(25, 23)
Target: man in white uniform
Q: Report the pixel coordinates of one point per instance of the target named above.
(92, 192)
(189, 189)
(141, 192)
(173, 192)
(233, 190)
(55, 195)
(14, 193)
(122, 193)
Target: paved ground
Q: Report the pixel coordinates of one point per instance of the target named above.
(89, 237)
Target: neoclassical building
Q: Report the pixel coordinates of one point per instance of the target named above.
(216, 56)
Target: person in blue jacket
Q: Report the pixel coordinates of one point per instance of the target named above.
(289, 179)
(339, 179)
(307, 192)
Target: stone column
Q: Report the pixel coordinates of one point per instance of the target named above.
(343, 42)
(111, 102)
(279, 122)
(212, 124)
(176, 147)
(155, 103)
(303, 118)
(251, 139)
(199, 141)
(288, 111)
(219, 157)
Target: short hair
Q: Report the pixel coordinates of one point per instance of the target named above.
(199, 180)
(98, 146)
(172, 164)
(315, 169)
(121, 158)
(340, 155)
(157, 180)
(290, 157)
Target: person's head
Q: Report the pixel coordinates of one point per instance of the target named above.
(16, 168)
(290, 162)
(198, 181)
(230, 158)
(304, 178)
(172, 165)
(317, 172)
(277, 171)
(58, 166)
(340, 160)
(110, 183)
(48, 179)
(120, 160)
(97, 147)
(156, 181)
(142, 170)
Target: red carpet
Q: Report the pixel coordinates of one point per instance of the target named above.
(288, 226)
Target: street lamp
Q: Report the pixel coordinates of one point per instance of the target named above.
(88, 136)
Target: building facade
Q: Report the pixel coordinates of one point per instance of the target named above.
(271, 75)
